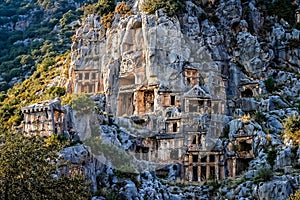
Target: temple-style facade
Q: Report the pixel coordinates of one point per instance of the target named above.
(46, 118)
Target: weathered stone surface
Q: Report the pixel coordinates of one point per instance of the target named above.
(248, 54)
(80, 158)
(283, 159)
(151, 67)
(281, 189)
(129, 191)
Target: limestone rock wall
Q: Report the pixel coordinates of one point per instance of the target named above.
(151, 67)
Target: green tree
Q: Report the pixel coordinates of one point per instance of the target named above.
(28, 165)
(292, 129)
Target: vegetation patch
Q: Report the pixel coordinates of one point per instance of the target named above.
(270, 85)
(34, 171)
(170, 7)
(263, 175)
(107, 20)
(292, 129)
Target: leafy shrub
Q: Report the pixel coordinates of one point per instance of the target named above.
(56, 91)
(170, 7)
(213, 183)
(107, 20)
(295, 196)
(263, 175)
(125, 171)
(89, 9)
(33, 160)
(68, 17)
(26, 60)
(292, 129)
(119, 158)
(108, 194)
(104, 7)
(271, 155)
(82, 104)
(259, 117)
(46, 64)
(123, 9)
(270, 85)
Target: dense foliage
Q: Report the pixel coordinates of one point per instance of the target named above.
(292, 129)
(171, 7)
(40, 86)
(31, 31)
(28, 168)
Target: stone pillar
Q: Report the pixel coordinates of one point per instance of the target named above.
(207, 170)
(217, 169)
(233, 167)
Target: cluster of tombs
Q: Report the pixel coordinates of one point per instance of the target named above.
(183, 127)
(183, 122)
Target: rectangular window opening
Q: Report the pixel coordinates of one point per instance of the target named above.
(172, 100)
(195, 173)
(175, 127)
(195, 158)
(94, 76)
(212, 172)
(87, 76)
(80, 76)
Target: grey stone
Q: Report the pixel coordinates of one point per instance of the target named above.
(283, 159)
(281, 190)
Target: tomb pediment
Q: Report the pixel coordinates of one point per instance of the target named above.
(197, 92)
(164, 89)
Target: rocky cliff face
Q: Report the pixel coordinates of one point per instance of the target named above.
(222, 54)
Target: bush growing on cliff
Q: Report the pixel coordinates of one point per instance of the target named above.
(119, 158)
(263, 175)
(107, 20)
(292, 130)
(105, 6)
(270, 85)
(271, 155)
(259, 117)
(123, 9)
(170, 7)
(82, 104)
(295, 196)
